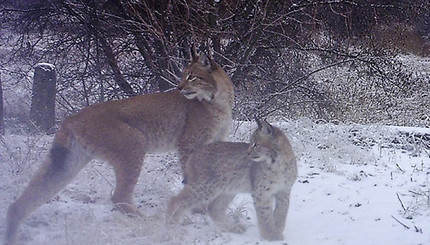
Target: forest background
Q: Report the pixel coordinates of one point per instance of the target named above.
(357, 61)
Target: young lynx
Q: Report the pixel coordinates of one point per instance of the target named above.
(121, 132)
(215, 173)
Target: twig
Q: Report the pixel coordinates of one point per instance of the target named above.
(177, 79)
(168, 81)
(418, 230)
(407, 227)
(104, 177)
(401, 203)
(398, 166)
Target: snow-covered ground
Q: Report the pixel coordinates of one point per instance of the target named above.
(358, 184)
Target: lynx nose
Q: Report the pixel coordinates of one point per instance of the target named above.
(180, 86)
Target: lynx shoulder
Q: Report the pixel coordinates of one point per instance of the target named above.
(266, 168)
(121, 132)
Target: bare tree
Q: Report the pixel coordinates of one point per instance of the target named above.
(113, 49)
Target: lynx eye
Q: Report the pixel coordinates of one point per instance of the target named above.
(254, 145)
(190, 78)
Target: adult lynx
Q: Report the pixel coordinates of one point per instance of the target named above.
(121, 132)
(217, 172)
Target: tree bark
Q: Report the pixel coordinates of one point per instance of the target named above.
(42, 112)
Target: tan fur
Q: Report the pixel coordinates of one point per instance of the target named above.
(266, 168)
(122, 132)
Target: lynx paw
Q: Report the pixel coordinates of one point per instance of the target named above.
(238, 228)
(128, 209)
(232, 227)
(272, 236)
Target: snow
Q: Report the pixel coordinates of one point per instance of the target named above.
(358, 184)
(45, 66)
(421, 131)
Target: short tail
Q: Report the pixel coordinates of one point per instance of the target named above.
(61, 146)
(50, 178)
(63, 137)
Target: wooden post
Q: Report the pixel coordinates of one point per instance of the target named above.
(42, 112)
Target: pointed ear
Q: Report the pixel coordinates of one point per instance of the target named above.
(258, 121)
(204, 60)
(264, 127)
(194, 55)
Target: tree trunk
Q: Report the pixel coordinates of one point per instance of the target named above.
(42, 112)
(113, 63)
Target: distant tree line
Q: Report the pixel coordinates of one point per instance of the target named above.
(114, 48)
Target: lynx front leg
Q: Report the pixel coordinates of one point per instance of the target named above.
(281, 209)
(184, 155)
(264, 208)
(186, 200)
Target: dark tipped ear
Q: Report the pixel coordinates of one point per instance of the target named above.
(194, 55)
(204, 60)
(268, 128)
(258, 121)
(264, 127)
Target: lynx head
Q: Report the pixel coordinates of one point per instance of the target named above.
(197, 79)
(265, 143)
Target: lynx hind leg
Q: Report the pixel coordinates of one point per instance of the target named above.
(218, 211)
(186, 200)
(127, 172)
(60, 167)
(263, 203)
(125, 154)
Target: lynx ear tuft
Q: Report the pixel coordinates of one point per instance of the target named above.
(194, 55)
(205, 60)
